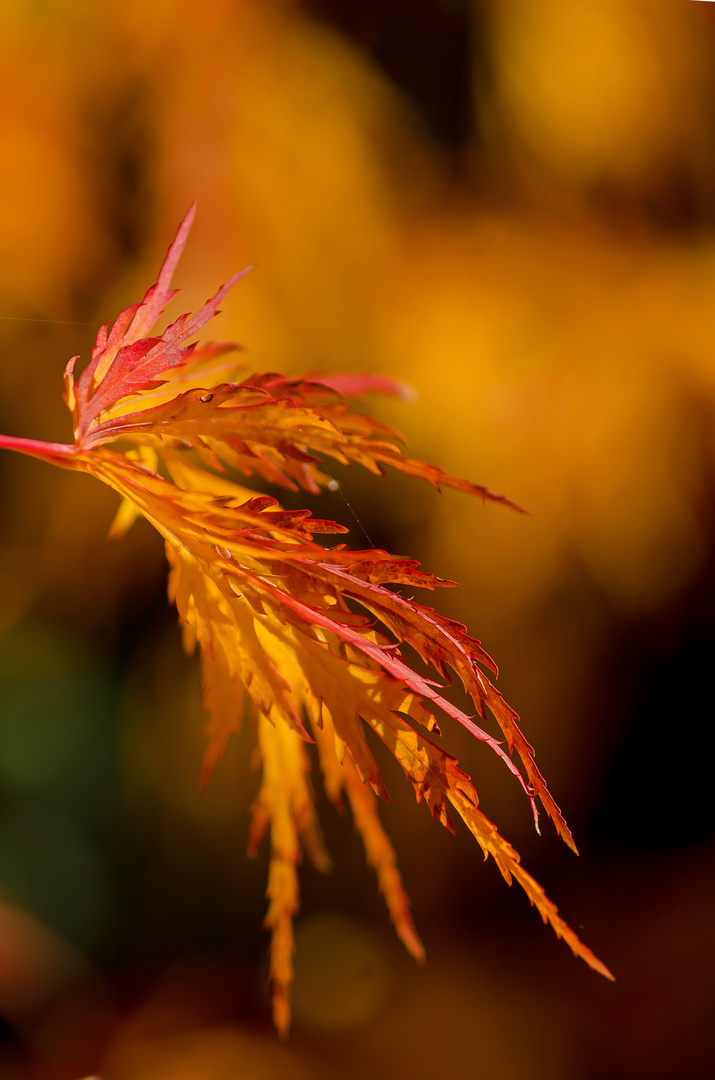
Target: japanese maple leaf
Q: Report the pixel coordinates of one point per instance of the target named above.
(308, 636)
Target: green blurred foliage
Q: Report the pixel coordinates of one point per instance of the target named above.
(58, 707)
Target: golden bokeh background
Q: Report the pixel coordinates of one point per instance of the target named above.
(510, 205)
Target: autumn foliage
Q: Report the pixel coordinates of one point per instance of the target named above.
(307, 636)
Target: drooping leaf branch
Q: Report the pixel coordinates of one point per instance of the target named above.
(309, 636)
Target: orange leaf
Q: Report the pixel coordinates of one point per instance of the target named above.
(307, 637)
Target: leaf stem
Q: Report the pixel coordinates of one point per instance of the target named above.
(54, 453)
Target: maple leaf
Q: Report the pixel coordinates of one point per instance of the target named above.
(309, 636)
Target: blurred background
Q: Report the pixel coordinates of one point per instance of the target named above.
(511, 206)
